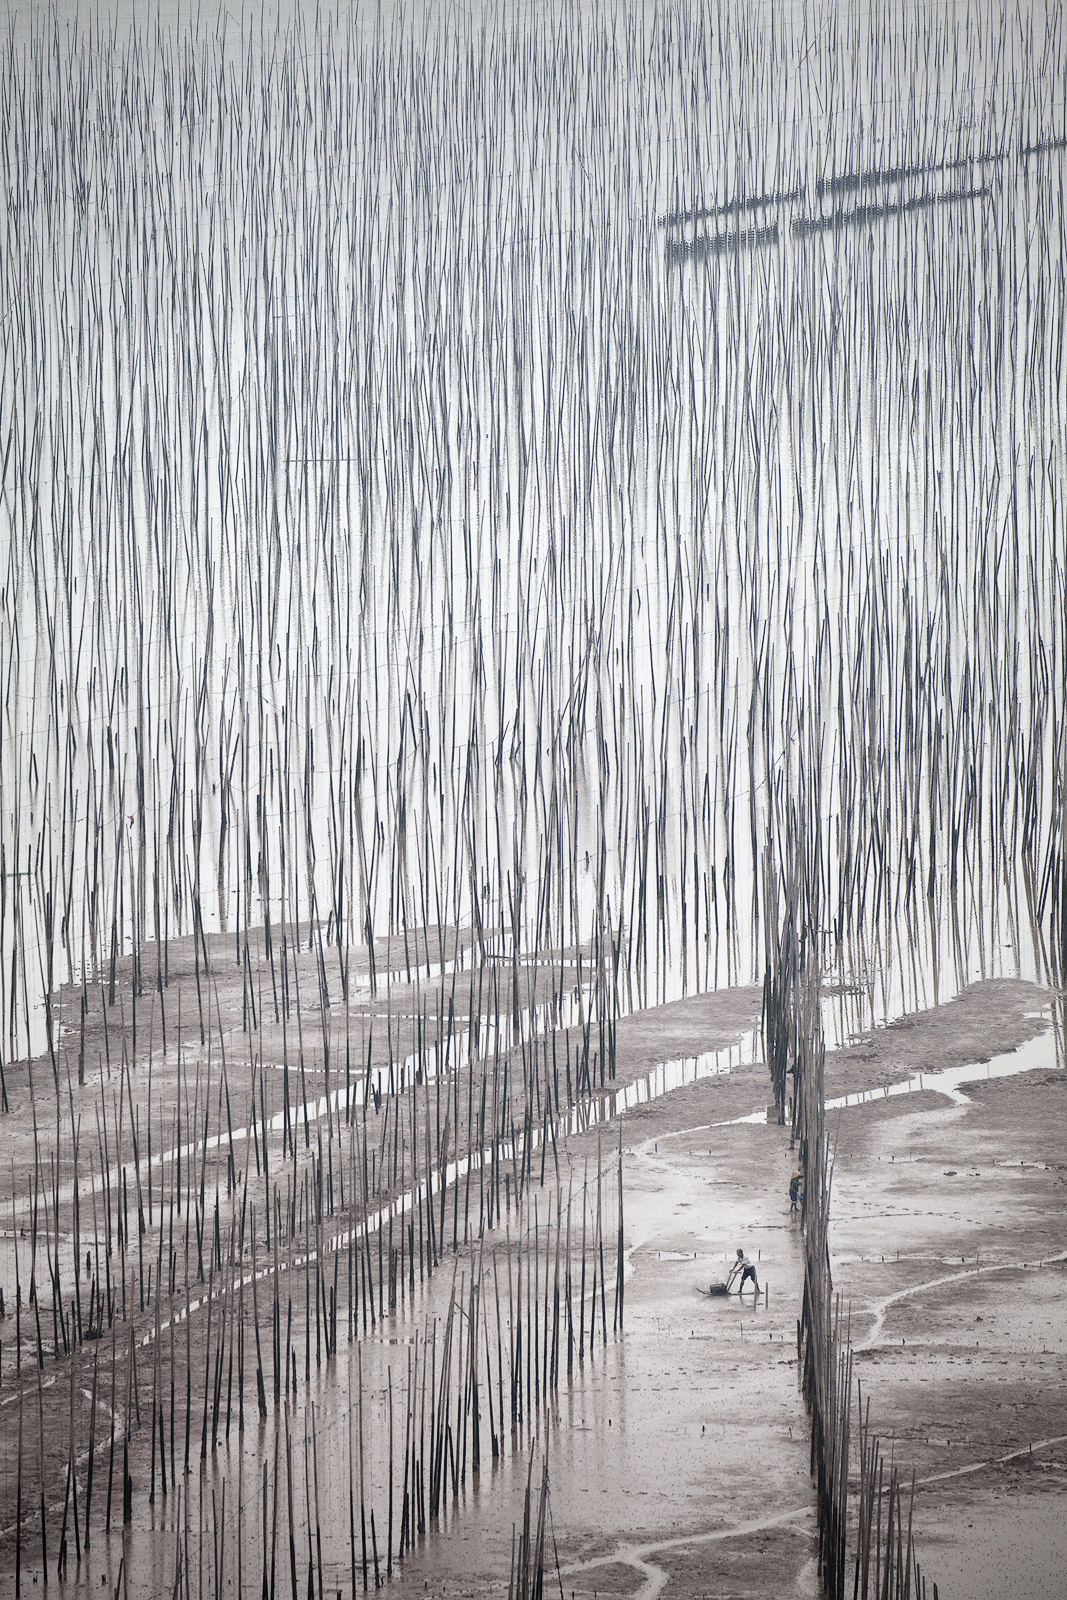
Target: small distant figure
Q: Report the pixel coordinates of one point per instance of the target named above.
(796, 1190)
(746, 1267)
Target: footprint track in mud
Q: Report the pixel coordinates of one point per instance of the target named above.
(637, 1556)
(879, 1308)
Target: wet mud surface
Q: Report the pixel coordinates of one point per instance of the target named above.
(950, 1245)
(679, 1454)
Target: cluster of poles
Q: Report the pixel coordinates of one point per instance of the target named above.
(282, 1275)
(530, 1548)
(392, 539)
(864, 1546)
(429, 1149)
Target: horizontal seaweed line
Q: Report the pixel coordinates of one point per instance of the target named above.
(773, 197)
(716, 243)
(868, 178)
(873, 213)
(871, 177)
(1042, 147)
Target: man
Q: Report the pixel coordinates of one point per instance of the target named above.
(745, 1267)
(795, 1190)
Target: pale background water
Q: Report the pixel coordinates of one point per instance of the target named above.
(393, 524)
